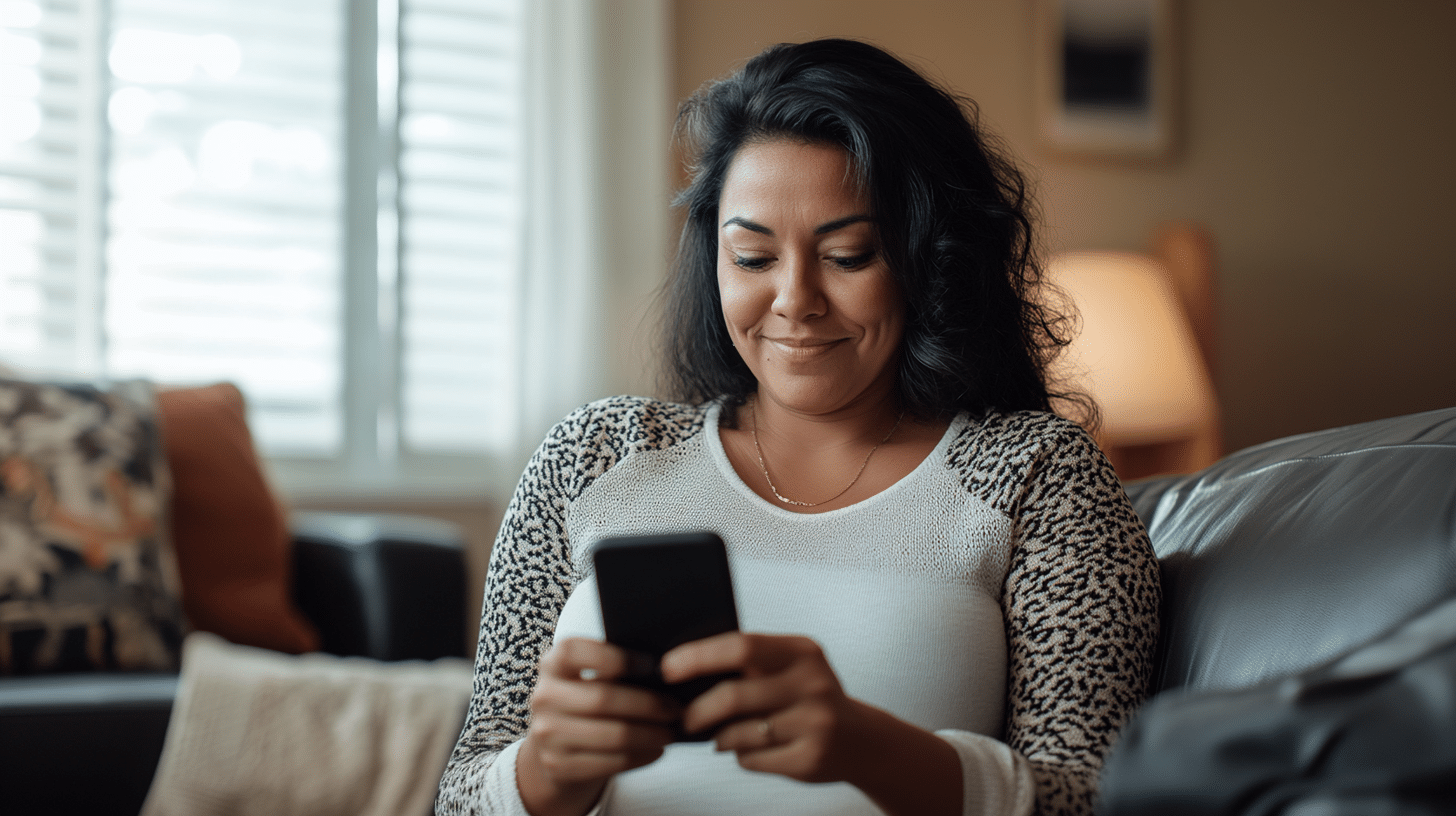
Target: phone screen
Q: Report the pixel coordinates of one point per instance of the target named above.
(661, 591)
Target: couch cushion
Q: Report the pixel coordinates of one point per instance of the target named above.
(230, 532)
(1284, 555)
(1372, 733)
(87, 579)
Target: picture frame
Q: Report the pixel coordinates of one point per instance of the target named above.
(1106, 78)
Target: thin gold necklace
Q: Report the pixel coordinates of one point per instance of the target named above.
(753, 408)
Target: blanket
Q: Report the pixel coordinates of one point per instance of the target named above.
(261, 732)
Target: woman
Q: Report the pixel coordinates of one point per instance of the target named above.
(856, 341)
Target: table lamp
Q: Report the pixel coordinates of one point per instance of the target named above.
(1135, 355)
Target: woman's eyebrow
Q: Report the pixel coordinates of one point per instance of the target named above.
(823, 229)
(748, 225)
(839, 224)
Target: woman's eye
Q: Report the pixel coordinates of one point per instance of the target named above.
(750, 263)
(852, 262)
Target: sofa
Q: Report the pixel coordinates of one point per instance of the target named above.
(386, 587)
(1307, 660)
(131, 516)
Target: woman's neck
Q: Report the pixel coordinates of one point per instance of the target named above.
(864, 422)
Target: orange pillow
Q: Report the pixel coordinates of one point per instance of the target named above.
(231, 535)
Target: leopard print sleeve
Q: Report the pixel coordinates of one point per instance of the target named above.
(530, 577)
(1080, 598)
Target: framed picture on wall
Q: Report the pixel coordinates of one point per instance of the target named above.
(1105, 77)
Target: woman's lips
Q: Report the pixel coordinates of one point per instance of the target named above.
(798, 350)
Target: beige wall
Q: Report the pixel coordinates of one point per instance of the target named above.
(1318, 147)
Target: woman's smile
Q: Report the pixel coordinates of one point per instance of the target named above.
(803, 349)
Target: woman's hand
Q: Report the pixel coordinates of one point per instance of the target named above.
(585, 728)
(789, 715)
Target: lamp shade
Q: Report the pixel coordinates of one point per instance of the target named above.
(1135, 353)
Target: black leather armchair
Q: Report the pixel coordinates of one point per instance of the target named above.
(380, 586)
(1276, 561)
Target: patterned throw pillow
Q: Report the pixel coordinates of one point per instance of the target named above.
(87, 580)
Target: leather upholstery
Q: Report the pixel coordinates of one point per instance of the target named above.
(381, 585)
(1371, 733)
(1285, 555)
(81, 743)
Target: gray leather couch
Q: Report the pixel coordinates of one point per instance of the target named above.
(1277, 560)
(380, 586)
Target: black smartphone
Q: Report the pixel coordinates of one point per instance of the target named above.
(661, 591)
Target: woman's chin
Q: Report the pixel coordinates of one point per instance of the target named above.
(815, 396)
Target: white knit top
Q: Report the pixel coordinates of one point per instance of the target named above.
(907, 593)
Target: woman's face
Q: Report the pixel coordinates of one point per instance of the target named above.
(808, 300)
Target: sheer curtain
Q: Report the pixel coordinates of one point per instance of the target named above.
(597, 240)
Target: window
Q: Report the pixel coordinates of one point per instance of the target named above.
(318, 200)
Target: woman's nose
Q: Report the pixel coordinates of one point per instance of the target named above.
(800, 292)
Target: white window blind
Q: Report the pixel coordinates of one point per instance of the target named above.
(222, 258)
(50, 92)
(173, 205)
(459, 204)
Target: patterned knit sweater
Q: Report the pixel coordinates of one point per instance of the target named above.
(1003, 595)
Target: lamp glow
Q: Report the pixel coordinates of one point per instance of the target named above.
(1135, 353)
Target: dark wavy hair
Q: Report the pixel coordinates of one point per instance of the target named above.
(953, 216)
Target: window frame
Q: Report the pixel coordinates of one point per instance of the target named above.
(596, 243)
(373, 462)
